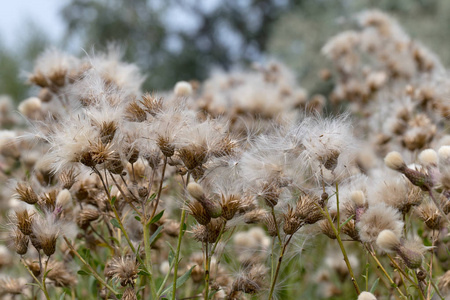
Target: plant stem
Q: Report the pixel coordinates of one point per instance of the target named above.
(277, 271)
(148, 260)
(37, 280)
(385, 273)
(180, 237)
(160, 187)
(422, 296)
(94, 273)
(276, 225)
(207, 265)
(344, 253)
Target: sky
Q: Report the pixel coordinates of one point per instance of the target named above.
(14, 15)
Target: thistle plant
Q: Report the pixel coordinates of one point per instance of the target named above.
(240, 187)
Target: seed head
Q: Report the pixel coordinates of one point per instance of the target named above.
(114, 164)
(135, 113)
(183, 89)
(213, 209)
(428, 157)
(394, 161)
(268, 220)
(307, 209)
(366, 296)
(11, 286)
(291, 221)
(67, 178)
(123, 269)
(24, 221)
(129, 294)
(230, 205)
(152, 104)
(26, 194)
(20, 241)
(86, 216)
(198, 212)
(388, 241)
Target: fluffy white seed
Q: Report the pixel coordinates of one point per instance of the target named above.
(388, 241)
(64, 198)
(394, 160)
(183, 89)
(195, 190)
(366, 296)
(358, 197)
(30, 106)
(444, 153)
(428, 157)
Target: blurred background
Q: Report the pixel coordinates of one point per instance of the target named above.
(172, 40)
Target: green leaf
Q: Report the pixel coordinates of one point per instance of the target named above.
(63, 295)
(157, 217)
(113, 200)
(83, 273)
(171, 257)
(346, 221)
(115, 223)
(137, 218)
(152, 197)
(212, 294)
(34, 284)
(86, 254)
(155, 234)
(374, 285)
(180, 281)
(144, 272)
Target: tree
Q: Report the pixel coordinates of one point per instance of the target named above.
(177, 39)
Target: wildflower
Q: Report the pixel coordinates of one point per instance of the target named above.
(11, 286)
(123, 269)
(86, 216)
(411, 253)
(214, 210)
(183, 89)
(366, 296)
(251, 281)
(26, 194)
(394, 160)
(20, 241)
(67, 178)
(376, 219)
(45, 231)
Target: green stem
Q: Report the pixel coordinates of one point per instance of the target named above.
(344, 253)
(277, 271)
(207, 265)
(180, 237)
(160, 187)
(422, 296)
(148, 259)
(276, 225)
(44, 290)
(177, 254)
(385, 273)
(94, 273)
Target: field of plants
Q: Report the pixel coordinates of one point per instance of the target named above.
(242, 186)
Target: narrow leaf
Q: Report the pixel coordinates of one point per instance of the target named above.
(155, 234)
(115, 223)
(180, 281)
(374, 286)
(157, 217)
(346, 221)
(83, 273)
